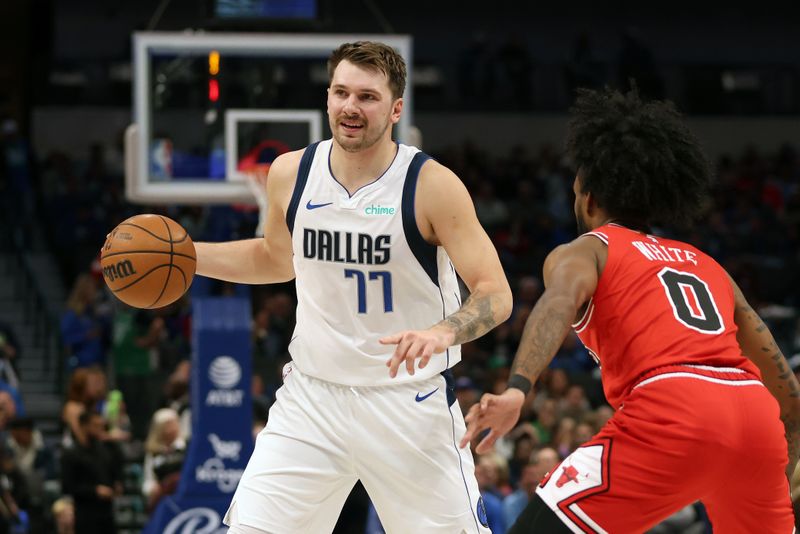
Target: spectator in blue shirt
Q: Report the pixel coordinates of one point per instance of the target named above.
(487, 475)
(542, 461)
(81, 331)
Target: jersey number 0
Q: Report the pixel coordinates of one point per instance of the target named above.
(692, 303)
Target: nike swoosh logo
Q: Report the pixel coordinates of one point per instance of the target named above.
(311, 206)
(423, 397)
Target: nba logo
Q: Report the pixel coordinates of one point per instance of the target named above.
(161, 159)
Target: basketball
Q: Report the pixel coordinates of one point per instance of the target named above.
(148, 261)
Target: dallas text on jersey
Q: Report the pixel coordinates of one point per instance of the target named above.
(346, 247)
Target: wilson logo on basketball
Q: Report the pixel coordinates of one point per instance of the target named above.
(121, 269)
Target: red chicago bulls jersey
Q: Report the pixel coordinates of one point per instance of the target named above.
(658, 303)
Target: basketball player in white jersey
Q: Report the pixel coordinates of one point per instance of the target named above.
(374, 233)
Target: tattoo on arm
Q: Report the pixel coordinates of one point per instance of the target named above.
(547, 326)
(791, 425)
(475, 317)
(780, 380)
(784, 373)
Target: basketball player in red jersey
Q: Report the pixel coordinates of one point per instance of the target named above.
(705, 401)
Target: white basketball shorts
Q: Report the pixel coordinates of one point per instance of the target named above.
(400, 441)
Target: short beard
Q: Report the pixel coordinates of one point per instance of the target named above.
(365, 143)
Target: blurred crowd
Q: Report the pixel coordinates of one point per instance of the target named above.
(125, 419)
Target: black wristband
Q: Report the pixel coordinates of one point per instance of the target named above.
(519, 382)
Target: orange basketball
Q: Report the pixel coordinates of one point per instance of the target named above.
(148, 261)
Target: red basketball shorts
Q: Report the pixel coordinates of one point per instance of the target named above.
(685, 433)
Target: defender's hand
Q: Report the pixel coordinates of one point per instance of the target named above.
(497, 413)
(413, 344)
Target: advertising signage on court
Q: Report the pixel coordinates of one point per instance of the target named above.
(221, 420)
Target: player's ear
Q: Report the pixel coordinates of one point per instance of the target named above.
(591, 204)
(397, 110)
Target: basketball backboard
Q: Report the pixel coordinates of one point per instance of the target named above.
(207, 103)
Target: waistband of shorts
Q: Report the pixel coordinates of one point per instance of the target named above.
(732, 376)
(292, 368)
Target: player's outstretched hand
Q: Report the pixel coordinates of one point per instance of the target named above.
(413, 344)
(497, 413)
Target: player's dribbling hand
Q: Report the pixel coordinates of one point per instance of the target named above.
(497, 413)
(413, 344)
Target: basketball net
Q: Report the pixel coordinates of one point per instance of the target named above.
(257, 183)
(256, 170)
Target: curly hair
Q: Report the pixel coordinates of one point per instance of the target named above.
(638, 159)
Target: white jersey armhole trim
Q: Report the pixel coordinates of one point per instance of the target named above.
(587, 316)
(581, 325)
(599, 235)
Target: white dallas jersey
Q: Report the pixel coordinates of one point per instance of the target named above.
(364, 272)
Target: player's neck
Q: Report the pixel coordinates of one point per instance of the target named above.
(630, 224)
(596, 219)
(356, 169)
(607, 220)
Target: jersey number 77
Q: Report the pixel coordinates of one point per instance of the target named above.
(361, 286)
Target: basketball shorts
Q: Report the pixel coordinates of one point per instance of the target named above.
(683, 434)
(400, 441)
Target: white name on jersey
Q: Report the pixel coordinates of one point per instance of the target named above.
(654, 252)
